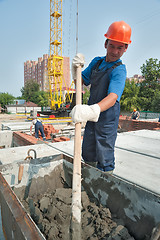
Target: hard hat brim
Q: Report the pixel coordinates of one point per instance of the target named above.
(117, 40)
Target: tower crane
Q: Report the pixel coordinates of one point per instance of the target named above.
(55, 60)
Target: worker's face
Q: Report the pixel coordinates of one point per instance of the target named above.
(114, 50)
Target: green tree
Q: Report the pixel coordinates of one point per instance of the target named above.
(129, 99)
(29, 90)
(156, 102)
(151, 72)
(32, 93)
(41, 98)
(5, 99)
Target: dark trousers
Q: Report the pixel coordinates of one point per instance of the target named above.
(99, 139)
(39, 127)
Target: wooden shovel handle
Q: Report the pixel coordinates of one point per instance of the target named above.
(76, 184)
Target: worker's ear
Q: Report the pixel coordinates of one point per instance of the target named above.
(126, 46)
(105, 44)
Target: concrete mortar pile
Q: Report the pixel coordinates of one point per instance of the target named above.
(51, 212)
(111, 208)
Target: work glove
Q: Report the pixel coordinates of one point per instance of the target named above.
(77, 61)
(84, 113)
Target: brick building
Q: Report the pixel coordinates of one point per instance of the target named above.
(136, 78)
(139, 78)
(37, 70)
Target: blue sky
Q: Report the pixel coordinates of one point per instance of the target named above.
(24, 33)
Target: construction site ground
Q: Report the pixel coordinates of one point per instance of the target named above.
(22, 118)
(137, 157)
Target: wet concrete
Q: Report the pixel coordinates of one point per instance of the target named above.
(52, 214)
(45, 191)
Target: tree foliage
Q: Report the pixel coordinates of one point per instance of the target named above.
(6, 98)
(129, 99)
(31, 92)
(155, 107)
(41, 98)
(151, 72)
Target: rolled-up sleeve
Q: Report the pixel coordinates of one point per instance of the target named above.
(117, 81)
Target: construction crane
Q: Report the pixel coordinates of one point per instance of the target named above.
(56, 79)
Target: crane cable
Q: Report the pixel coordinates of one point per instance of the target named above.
(77, 30)
(67, 26)
(63, 28)
(69, 31)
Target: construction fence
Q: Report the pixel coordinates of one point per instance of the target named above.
(144, 114)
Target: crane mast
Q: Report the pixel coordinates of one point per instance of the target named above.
(55, 60)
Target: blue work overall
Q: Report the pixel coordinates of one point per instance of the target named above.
(39, 127)
(99, 137)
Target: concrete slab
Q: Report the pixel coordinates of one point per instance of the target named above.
(16, 126)
(138, 169)
(6, 139)
(146, 142)
(16, 154)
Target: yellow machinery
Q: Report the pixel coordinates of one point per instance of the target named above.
(55, 60)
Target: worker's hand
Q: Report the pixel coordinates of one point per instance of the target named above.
(84, 113)
(77, 61)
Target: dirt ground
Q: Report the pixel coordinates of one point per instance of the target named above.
(51, 212)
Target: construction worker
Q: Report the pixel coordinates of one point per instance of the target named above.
(107, 76)
(135, 114)
(38, 127)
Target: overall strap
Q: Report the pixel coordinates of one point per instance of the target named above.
(116, 65)
(96, 66)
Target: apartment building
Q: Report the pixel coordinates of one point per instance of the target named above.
(37, 70)
(139, 78)
(136, 78)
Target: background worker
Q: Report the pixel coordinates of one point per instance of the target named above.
(38, 127)
(107, 76)
(135, 114)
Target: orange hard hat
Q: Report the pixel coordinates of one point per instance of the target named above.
(120, 32)
(134, 110)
